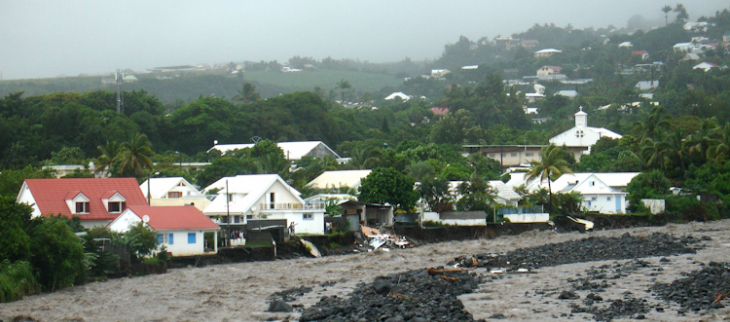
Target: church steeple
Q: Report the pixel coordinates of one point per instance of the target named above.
(581, 118)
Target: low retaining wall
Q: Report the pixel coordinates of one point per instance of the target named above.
(447, 233)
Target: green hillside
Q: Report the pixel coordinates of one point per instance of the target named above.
(190, 85)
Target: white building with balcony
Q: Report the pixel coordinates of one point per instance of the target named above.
(262, 197)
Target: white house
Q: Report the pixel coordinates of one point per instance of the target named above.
(548, 70)
(180, 229)
(705, 66)
(437, 73)
(505, 195)
(292, 150)
(625, 44)
(647, 85)
(602, 192)
(338, 179)
(569, 93)
(261, 197)
(684, 47)
(547, 52)
(581, 135)
(400, 95)
(174, 191)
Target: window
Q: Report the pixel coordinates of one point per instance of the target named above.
(271, 200)
(174, 194)
(224, 219)
(308, 217)
(608, 198)
(170, 239)
(492, 155)
(191, 238)
(249, 217)
(513, 154)
(159, 238)
(236, 219)
(117, 206)
(592, 183)
(529, 154)
(82, 207)
(594, 198)
(230, 197)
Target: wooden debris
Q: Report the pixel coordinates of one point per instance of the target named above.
(452, 279)
(720, 296)
(474, 262)
(432, 271)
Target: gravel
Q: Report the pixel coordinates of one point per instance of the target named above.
(699, 289)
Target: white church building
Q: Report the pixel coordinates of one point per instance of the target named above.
(582, 135)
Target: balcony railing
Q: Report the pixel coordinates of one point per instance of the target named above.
(291, 206)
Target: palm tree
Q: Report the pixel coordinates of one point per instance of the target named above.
(700, 141)
(110, 154)
(343, 85)
(720, 145)
(656, 119)
(247, 94)
(655, 152)
(135, 155)
(666, 9)
(551, 166)
(362, 158)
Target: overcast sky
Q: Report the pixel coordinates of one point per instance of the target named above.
(50, 38)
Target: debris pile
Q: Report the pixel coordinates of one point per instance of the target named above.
(384, 241)
(418, 295)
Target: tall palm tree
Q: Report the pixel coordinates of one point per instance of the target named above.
(655, 152)
(110, 154)
(362, 158)
(247, 94)
(135, 155)
(700, 141)
(551, 166)
(343, 85)
(666, 9)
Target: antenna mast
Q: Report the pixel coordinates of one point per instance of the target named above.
(119, 76)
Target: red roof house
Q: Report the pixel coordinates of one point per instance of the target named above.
(181, 229)
(97, 201)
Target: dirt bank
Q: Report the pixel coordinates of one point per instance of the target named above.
(238, 292)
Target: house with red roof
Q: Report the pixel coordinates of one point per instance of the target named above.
(97, 201)
(180, 229)
(548, 70)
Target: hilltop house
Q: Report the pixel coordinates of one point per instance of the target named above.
(705, 66)
(581, 135)
(174, 191)
(180, 229)
(293, 151)
(96, 201)
(547, 52)
(398, 95)
(262, 197)
(548, 70)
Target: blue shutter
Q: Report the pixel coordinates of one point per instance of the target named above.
(191, 238)
(159, 238)
(170, 239)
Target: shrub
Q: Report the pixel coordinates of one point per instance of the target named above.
(16, 281)
(56, 254)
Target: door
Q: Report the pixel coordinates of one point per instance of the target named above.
(618, 204)
(354, 221)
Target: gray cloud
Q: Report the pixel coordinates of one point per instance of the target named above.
(48, 38)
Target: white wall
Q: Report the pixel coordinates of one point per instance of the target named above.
(527, 218)
(124, 221)
(315, 226)
(465, 222)
(180, 245)
(27, 198)
(281, 195)
(602, 204)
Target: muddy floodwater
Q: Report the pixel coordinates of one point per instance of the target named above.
(238, 292)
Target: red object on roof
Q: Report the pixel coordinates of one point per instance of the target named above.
(440, 110)
(51, 194)
(638, 52)
(174, 217)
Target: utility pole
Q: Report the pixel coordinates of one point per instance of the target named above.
(228, 214)
(119, 76)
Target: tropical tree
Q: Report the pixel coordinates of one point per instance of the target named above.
(421, 171)
(437, 195)
(700, 141)
(666, 9)
(720, 145)
(476, 194)
(247, 94)
(343, 85)
(656, 119)
(110, 154)
(682, 14)
(136, 155)
(387, 185)
(363, 158)
(551, 166)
